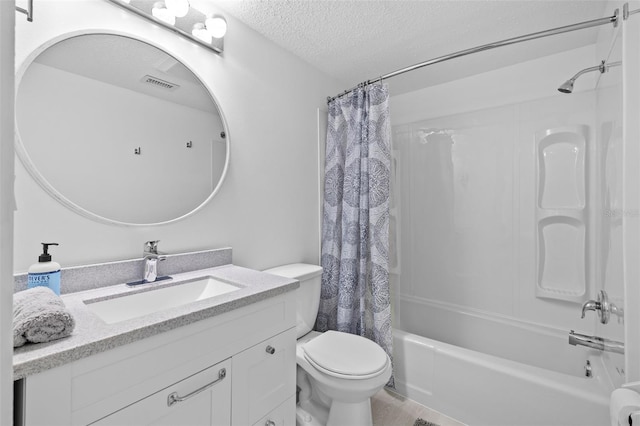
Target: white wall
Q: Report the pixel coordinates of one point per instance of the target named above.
(267, 207)
(7, 17)
(468, 208)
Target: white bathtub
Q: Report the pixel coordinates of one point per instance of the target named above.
(538, 379)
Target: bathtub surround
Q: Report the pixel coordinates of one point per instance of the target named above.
(355, 236)
(471, 271)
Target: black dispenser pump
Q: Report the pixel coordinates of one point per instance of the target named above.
(45, 256)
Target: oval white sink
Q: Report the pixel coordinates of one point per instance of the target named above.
(142, 303)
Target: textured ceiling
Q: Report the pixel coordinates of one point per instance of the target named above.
(358, 40)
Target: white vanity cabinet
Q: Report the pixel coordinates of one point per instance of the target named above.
(131, 384)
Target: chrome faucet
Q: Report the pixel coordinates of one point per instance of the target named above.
(596, 342)
(151, 258)
(603, 307)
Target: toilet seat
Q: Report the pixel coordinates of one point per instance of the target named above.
(345, 356)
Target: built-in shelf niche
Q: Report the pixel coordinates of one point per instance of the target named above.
(561, 213)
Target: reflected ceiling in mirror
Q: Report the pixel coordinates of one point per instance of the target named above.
(119, 130)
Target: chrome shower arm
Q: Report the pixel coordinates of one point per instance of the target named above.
(600, 68)
(567, 86)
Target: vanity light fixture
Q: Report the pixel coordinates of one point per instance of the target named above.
(179, 8)
(200, 32)
(160, 11)
(28, 11)
(217, 26)
(179, 17)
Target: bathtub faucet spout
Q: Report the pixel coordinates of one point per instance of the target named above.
(596, 342)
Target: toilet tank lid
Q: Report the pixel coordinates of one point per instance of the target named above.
(298, 271)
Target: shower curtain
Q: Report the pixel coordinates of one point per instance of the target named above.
(355, 227)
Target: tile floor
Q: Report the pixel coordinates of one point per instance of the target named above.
(391, 409)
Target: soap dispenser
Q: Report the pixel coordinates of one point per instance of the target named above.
(45, 273)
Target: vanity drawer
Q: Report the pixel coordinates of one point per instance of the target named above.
(283, 415)
(202, 399)
(264, 377)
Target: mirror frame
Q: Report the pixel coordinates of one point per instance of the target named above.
(25, 159)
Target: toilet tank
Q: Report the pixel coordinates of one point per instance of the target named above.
(307, 295)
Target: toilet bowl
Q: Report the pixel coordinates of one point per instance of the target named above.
(337, 372)
(344, 370)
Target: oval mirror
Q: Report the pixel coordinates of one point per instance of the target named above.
(119, 130)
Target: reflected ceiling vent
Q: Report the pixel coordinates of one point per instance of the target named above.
(162, 84)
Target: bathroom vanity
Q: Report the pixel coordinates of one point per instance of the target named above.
(227, 359)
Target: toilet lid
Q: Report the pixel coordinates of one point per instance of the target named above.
(345, 354)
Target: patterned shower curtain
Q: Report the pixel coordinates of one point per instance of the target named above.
(355, 227)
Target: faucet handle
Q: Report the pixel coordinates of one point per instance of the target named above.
(590, 305)
(151, 246)
(601, 306)
(605, 307)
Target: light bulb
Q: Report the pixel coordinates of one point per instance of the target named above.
(217, 26)
(162, 13)
(200, 32)
(179, 8)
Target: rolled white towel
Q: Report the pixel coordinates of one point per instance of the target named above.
(39, 315)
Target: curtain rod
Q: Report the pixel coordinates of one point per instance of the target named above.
(559, 30)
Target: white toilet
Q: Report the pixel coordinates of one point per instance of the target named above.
(337, 372)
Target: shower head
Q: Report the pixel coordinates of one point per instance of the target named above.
(567, 86)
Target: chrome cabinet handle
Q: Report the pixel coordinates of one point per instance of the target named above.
(270, 350)
(270, 423)
(174, 398)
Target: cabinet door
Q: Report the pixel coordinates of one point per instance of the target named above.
(264, 376)
(201, 399)
(284, 415)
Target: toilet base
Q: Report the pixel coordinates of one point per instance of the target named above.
(313, 413)
(350, 413)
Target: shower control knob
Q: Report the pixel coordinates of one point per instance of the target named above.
(270, 423)
(270, 350)
(603, 307)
